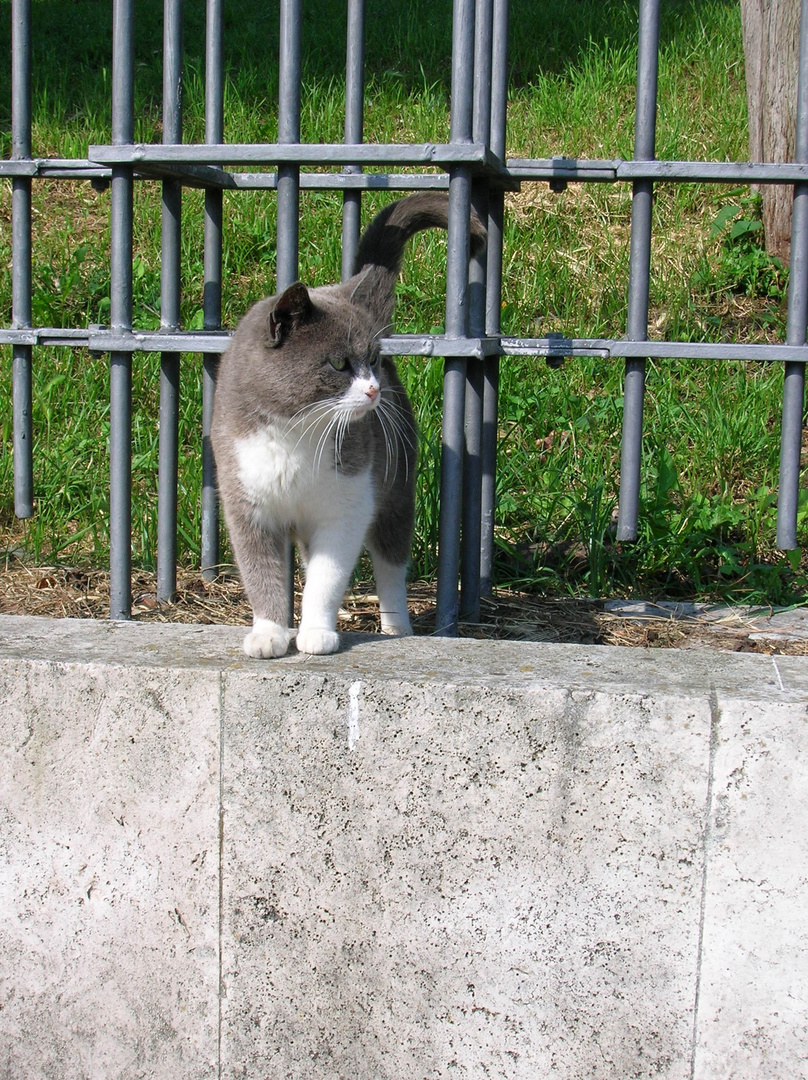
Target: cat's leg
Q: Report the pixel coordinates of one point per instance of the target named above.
(391, 588)
(332, 551)
(390, 536)
(262, 556)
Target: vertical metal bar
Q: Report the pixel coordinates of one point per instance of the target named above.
(488, 445)
(170, 277)
(291, 19)
(288, 132)
(120, 451)
(354, 122)
(472, 467)
(483, 42)
(639, 270)
(794, 382)
(472, 494)
(454, 378)
(212, 299)
(496, 209)
(21, 257)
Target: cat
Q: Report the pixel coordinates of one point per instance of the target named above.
(314, 440)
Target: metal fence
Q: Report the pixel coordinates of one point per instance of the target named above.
(474, 169)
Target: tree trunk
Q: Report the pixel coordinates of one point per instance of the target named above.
(771, 33)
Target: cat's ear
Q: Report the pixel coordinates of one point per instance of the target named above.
(290, 309)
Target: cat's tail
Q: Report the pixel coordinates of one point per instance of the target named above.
(381, 248)
(383, 241)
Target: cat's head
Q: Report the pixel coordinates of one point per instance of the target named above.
(311, 348)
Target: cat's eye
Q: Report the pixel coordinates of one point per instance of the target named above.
(338, 363)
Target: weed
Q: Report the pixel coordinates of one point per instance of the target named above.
(743, 264)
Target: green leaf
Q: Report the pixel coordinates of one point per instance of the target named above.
(725, 214)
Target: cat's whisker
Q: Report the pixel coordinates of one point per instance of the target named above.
(343, 424)
(325, 441)
(398, 420)
(315, 415)
(392, 438)
(387, 445)
(402, 419)
(381, 332)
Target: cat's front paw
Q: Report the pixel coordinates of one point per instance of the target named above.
(317, 640)
(267, 639)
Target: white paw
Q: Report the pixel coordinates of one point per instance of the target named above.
(267, 639)
(396, 628)
(316, 640)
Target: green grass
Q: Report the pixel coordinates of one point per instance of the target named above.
(711, 451)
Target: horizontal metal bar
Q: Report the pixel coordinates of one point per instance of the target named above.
(44, 336)
(726, 172)
(55, 168)
(563, 168)
(206, 341)
(475, 348)
(150, 165)
(217, 342)
(670, 350)
(211, 177)
(344, 181)
(123, 341)
(442, 155)
(713, 172)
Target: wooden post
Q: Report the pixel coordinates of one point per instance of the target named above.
(771, 32)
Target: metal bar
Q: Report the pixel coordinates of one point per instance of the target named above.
(291, 19)
(289, 133)
(471, 531)
(170, 286)
(797, 323)
(261, 181)
(639, 271)
(451, 483)
(476, 348)
(483, 60)
(488, 452)
(709, 172)
(488, 448)
(354, 123)
(511, 174)
(313, 154)
(454, 378)
(499, 77)
(471, 517)
(212, 297)
(212, 177)
(496, 210)
(22, 376)
(120, 465)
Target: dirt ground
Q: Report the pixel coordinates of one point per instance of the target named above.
(83, 593)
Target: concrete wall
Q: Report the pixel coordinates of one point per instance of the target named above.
(415, 859)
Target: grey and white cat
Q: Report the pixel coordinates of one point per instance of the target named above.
(315, 441)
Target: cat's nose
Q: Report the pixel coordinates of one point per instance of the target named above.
(372, 392)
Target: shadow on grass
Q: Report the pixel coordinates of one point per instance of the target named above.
(408, 42)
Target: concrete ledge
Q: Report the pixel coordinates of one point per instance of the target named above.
(418, 858)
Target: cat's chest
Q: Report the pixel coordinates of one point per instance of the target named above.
(285, 469)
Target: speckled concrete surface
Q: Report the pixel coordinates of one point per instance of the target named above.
(416, 858)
